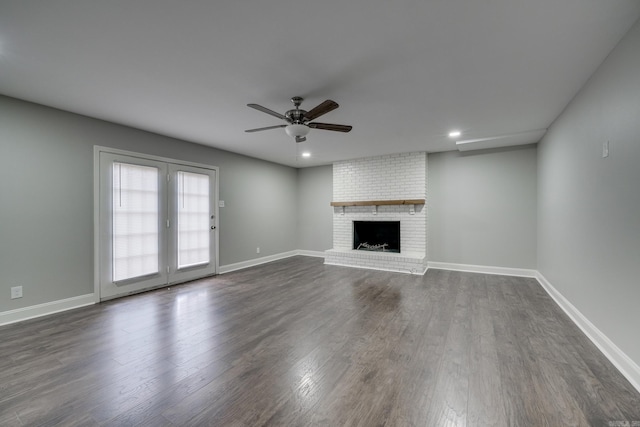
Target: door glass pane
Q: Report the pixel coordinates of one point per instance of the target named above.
(135, 221)
(193, 219)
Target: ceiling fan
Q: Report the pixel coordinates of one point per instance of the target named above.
(299, 121)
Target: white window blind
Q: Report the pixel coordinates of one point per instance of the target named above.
(193, 219)
(135, 221)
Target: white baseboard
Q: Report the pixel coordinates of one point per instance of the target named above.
(504, 271)
(31, 312)
(318, 254)
(620, 360)
(263, 260)
(253, 262)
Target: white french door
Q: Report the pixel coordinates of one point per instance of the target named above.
(192, 223)
(157, 223)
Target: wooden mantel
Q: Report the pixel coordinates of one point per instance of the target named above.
(381, 202)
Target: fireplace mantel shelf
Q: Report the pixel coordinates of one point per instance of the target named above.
(381, 202)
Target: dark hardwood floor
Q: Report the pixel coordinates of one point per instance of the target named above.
(297, 343)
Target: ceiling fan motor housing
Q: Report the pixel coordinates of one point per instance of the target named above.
(295, 116)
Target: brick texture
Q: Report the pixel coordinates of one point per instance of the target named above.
(397, 176)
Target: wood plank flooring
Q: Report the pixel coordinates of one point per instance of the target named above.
(298, 343)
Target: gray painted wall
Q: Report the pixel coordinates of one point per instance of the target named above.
(482, 207)
(46, 193)
(315, 214)
(589, 206)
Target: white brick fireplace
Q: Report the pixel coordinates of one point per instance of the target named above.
(399, 179)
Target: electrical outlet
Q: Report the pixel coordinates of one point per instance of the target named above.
(258, 250)
(16, 292)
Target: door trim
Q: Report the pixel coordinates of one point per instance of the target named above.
(97, 149)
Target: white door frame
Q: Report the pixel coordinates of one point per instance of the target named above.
(96, 205)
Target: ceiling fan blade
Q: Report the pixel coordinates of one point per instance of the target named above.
(330, 126)
(266, 128)
(266, 110)
(321, 109)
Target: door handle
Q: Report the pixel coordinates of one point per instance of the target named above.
(213, 227)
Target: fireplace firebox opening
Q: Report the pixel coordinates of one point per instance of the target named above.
(379, 236)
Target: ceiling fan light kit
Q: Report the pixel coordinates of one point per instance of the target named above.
(299, 121)
(297, 130)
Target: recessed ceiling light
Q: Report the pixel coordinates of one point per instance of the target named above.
(454, 134)
(306, 154)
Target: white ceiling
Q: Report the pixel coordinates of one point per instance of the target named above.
(404, 72)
